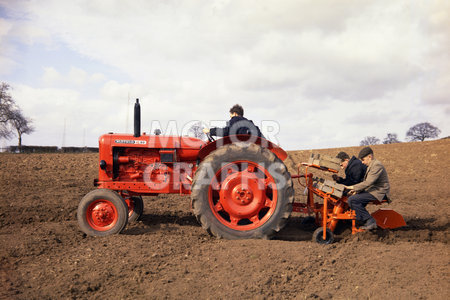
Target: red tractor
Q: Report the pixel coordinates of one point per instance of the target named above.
(239, 185)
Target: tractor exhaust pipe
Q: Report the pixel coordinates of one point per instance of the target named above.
(137, 119)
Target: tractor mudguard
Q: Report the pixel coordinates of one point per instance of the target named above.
(279, 152)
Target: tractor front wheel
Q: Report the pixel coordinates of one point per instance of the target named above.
(102, 212)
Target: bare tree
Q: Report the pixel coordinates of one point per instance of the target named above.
(422, 131)
(197, 130)
(7, 106)
(369, 140)
(21, 124)
(391, 138)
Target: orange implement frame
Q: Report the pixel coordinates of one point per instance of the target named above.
(332, 209)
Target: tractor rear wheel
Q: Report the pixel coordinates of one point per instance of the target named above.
(102, 212)
(242, 191)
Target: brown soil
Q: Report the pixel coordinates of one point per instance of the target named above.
(43, 254)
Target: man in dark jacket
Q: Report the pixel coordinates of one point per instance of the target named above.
(353, 167)
(375, 186)
(237, 125)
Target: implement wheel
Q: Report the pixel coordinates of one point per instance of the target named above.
(318, 236)
(102, 212)
(242, 191)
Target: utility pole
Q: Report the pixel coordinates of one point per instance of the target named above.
(64, 134)
(84, 137)
(3, 148)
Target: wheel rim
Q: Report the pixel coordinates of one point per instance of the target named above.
(243, 195)
(102, 215)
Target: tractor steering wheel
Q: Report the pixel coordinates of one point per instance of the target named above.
(210, 138)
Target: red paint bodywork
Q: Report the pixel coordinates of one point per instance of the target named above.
(156, 164)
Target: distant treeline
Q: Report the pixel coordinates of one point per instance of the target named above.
(51, 149)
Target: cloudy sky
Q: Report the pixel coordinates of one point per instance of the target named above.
(326, 73)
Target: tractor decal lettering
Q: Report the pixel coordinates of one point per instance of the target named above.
(130, 142)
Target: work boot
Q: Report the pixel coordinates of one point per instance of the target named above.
(359, 223)
(370, 224)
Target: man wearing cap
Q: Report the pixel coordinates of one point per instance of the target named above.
(353, 167)
(374, 187)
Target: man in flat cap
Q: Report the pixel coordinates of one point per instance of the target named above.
(374, 187)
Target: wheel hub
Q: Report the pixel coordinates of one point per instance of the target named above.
(102, 214)
(242, 195)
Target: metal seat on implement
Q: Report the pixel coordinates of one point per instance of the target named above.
(387, 218)
(376, 202)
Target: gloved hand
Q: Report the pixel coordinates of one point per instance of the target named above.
(335, 177)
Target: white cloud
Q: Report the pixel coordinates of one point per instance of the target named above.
(437, 60)
(51, 108)
(6, 62)
(51, 76)
(5, 27)
(7, 65)
(77, 76)
(97, 77)
(74, 78)
(330, 73)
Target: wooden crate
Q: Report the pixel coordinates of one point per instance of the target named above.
(331, 187)
(325, 161)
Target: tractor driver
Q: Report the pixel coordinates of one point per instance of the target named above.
(353, 167)
(238, 124)
(374, 187)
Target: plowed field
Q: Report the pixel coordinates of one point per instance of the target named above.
(43, 254)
